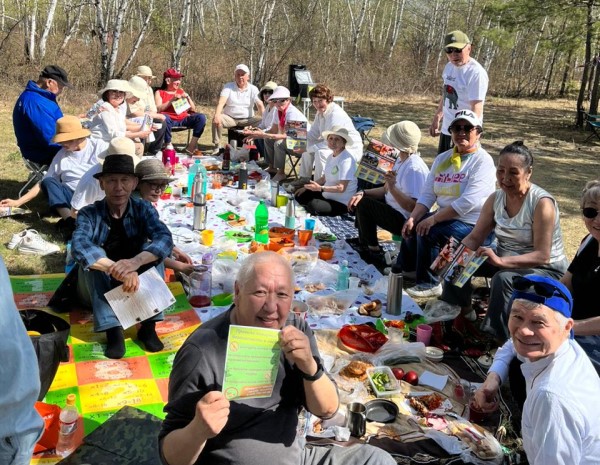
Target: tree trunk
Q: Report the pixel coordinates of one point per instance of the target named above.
(182, 38)
(72, 27)
(47, 27)
(139, 39)
(399, 11)
(586, 64)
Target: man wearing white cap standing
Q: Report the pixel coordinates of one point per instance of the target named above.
(236, 104)
(465, 87)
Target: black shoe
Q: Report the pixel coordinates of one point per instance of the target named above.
(147, 335)
(66, 226)
(115, 343)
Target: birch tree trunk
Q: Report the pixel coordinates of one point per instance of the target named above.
(399, 11)
(31, 26)
(47, 27)
(182, 37)
(72, 26)
(139, 39)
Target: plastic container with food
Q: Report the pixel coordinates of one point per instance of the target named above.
(331, 304)
(278, 232)
(275, 244)
(383, 381)
(302, 259)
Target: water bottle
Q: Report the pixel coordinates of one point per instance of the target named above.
(191, 177)
(343, 280)
(226, 159)
(290, 214)
(200, 210)
(243, 176)
(261, 223)
(69, 260)
(274, 192)
(68, 418)
(204, 178)
(394, 293)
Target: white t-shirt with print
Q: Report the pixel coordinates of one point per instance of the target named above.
(340, 168)
(462, 85)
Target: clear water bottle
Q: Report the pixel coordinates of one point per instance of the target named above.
(343, 281)
(261, 223)
(191, 178)
(68, 419)
(204, 179)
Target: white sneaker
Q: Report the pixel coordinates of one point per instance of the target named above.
(422, 290)
(30, 242)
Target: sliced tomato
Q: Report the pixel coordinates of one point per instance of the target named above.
(362, 337)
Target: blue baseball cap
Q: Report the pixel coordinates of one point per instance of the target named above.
(541, 289)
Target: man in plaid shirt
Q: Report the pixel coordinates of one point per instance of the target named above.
(115, 240)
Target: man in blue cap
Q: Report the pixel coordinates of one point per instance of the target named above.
(561, 421)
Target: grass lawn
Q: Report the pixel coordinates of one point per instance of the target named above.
(563, 162)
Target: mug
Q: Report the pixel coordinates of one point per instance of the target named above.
(356, 419)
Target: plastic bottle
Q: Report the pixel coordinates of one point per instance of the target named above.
(169, 155)
(69, 260)
(261, 223)
(204, 178)
(243, 176)
(191, 175)
(343, 280)
(200, 287)
(68, 418)
(290, 214)
(226, 159)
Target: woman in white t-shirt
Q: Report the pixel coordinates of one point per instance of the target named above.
(329, 195)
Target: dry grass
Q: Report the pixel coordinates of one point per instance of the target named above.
(563, 161)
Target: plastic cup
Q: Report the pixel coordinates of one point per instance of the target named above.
(326, 251)
(309, 223)
(424, 334)
(207, 236)
(281, 201)
(304, 236)
(353, 282)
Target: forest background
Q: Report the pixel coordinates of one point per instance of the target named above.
(384, 56)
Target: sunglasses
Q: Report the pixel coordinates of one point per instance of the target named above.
(545, 290)
(461, 127)
(278, 100)
(157, 187)
(267, 91)
(589, 212)
(453, 50)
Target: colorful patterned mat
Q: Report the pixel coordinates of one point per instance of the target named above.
(102, 385)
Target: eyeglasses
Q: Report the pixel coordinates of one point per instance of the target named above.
(453, 50)
(589, 212)
(545, 290)
(461, 127)
(157, 187)
(267, 91)
(278, 100)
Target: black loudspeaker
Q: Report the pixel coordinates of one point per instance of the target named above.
(292, 81)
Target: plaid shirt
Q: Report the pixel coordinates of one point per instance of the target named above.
(141, 219)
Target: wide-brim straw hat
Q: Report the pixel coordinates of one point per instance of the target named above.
(69, 128)
(144, 71)
(338, 131)
(404, 136)
(120, 146)
(117, 84)
(152, 169)
(138, 87)
(117, 164)
(271, 85)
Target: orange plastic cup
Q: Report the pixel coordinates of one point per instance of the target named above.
(325, 251)
(304, 236)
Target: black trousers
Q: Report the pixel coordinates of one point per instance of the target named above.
(371, 213)
(316, 204)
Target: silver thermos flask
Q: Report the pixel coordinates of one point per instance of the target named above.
(199, 211)
(394, 293)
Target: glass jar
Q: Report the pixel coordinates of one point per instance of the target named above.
(200, 287)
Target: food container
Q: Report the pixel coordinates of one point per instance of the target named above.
(383, 381)
(275, 244)
(277, 232)
(332, 304)
(302, 259)
(433, 354)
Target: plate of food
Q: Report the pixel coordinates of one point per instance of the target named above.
(325, 237)
(239, 235)
(229, 216)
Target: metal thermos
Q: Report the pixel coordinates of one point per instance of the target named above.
(200, 211)
(274, 192)
(290, 214)
(394, 293)
(243, 176)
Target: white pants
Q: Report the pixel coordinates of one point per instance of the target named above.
(316, 159)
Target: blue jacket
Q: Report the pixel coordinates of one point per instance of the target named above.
(34, 120)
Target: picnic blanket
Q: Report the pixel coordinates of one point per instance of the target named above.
(103, 386)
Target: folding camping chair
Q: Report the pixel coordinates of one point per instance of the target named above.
(593, 122)
(36, 173)
(363, 125)
(293, 159)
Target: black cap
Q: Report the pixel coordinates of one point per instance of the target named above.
(117, 164)
(56, 73)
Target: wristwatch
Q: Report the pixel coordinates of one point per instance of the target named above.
(317, 375)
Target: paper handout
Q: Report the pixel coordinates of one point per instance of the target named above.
(180, 105)
(151, 298)
(456, 263)
(252, 362)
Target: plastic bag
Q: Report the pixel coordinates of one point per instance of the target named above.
(50, 413)
(438, 310)
(396, 352)
(240, 154)
(224, 273)
(263, 189)
(322, 275)
(331, 304)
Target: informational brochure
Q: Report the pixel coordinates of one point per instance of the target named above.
(13, 211)
(377, 160)
(180, 105)
(151, 298)
(146, 125)
(295, 132)
(456, 263)
(251, 363)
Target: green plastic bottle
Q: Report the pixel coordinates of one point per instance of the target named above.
(261, 223)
